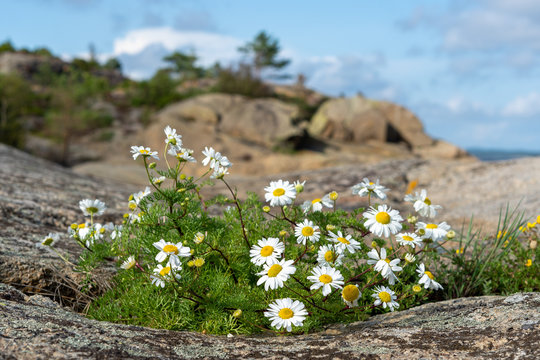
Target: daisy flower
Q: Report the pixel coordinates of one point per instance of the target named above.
(219, 172)
(317, 204)
(283, 313)
(410, 258)
(199, 237)
(129, 263)
(280, 193)
(409, 239)
(172, 137)
(326, 277)
(158, 180)
(433, 231)
(367, 187)
(383, 221)
(424, 207)
(344, 242)
(116, 233)
(181, 154)
(351, 294)
(215, 159)
(306, 231)
(412, 198)
(163, 274)
(384, 265)
(92, 207)
(427, 278)
(273, 276)
(173, 251)
(386, 297)
(329, 255)
(144, 152)
(50, 239)
(266, 251)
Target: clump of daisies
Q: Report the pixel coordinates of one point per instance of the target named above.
(288, 264)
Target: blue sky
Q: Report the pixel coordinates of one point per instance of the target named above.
(469, 69)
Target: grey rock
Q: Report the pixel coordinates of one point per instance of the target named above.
(472, 328)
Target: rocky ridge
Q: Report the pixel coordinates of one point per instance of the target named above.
(37, 197)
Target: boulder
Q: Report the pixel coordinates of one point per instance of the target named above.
(353, 119)
(208, 108)
(407, 125)
(358, 119)
(440, 149)
(267, 122)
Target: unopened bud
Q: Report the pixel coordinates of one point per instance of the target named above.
(237, 313)
(334, 196)
(373, 244)
(182, 176)
(283, 233)
(533, 244)
(266, 208)
(330, 227)
(412, 219)
(152, 165)
(450, 234)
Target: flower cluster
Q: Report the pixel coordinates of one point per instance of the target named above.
(295, 259)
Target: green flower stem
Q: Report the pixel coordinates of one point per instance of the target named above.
(362, 273)
(224, 258)
(304, 253)
(150, 178)
(62, 257)
(235, 198)
(165, 156)
(307, 299)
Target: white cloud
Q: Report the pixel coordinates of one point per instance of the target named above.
(461, 105)
(210, 47)
(528, 105)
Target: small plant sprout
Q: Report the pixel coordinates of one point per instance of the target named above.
(287, 264)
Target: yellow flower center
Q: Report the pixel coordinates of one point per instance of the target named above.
(316, 201)
(267, 251)
(285, 313)
(431, 226)
(47, 241)
(343, 240)
(427, 201)
(274, 270)
(278, 192)
(307, 231)
(417, 288)
(198, 262)
(330, 256)
(385, 297)
(383, 218)
(325, 279)
(143, 151)
(165, 271)
(333, 196)
(170, 249)
(350, 293)
(371, 183)
(387, 260)
(407, 238)
(429, 274)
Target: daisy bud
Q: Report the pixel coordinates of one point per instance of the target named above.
(182, 204)
(417, 288)
(410, 258)
(330, 227)
(412, 219)
(190, 263)
(528, 263)
(182, 176)
(190, 178)
(152, 165)
(191, 251)
(199, 238)
(450, 234)
(130, 197)
(181, 190)
(533, 244)
(333, 195)
(421, 232)
(298, 186)
(126, 216)
(373, 244)
(237, 313)
(283, 233)
(132, 205)
(266, 208)
(73, 226)
(198, 262)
